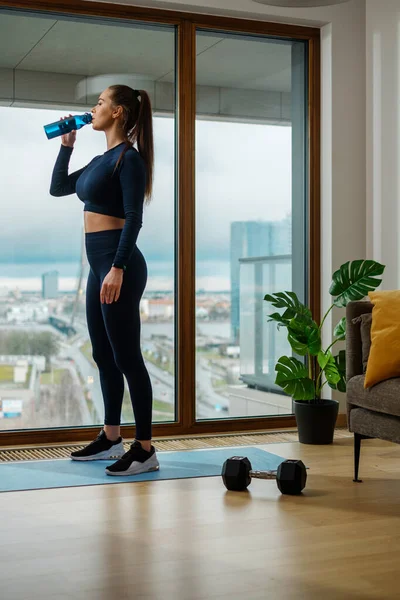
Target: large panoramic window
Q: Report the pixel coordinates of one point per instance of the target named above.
(236, 124)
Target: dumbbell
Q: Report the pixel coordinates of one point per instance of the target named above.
(291, 475)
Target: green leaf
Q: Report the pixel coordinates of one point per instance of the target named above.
(322, 359)
(340, 361)
(340, 330)
(354, 280)
(303, 337)
(289, 301)
(292, 377)
(278, 319)
(328, 365)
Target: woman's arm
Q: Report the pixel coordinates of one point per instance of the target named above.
(132, 175)
(63, 184)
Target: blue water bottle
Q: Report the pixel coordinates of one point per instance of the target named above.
(67, 125)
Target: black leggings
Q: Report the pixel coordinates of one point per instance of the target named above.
(114, 331)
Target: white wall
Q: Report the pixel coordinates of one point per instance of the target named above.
(383, 136)
(343, 143)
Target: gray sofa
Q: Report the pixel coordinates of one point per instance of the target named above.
(373, 412)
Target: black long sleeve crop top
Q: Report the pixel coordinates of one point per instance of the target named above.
(118, 194)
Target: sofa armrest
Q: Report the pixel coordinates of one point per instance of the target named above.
(353, 337)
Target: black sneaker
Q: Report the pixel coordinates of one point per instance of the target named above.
(135, 461)
(100, 449)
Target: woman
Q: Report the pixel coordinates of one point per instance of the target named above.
(113, 188)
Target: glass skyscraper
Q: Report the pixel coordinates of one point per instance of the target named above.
(50, 284)
(250, 239)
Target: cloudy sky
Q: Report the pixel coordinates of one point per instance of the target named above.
(243, 172)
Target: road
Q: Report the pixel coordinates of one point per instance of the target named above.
(89, 374)
(163, 382)
(64, 364)
(203, 376)
(211, 404)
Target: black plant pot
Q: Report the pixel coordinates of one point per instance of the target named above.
(316, 422)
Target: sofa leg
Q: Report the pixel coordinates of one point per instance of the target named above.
(357, 448)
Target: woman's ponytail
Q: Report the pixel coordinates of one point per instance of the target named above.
(138, 127)
(144, 138)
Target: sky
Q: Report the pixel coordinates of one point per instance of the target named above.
(243, 173)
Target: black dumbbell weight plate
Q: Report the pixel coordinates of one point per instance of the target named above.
(235, 473)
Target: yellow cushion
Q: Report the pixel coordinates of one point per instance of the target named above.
(384, 356)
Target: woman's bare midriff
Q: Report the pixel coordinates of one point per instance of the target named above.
(96, 222)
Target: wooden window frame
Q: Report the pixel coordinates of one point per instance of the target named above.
(187, 24)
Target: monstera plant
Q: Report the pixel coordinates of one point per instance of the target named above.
(304, 381)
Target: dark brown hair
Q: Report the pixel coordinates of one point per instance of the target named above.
(138, 127)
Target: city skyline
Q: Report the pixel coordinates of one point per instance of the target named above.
(261, 238)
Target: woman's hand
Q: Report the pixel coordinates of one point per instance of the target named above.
(68, 139)
(111, 288)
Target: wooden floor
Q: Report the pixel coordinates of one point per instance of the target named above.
(190, 539)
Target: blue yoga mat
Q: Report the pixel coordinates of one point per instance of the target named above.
(40, 474)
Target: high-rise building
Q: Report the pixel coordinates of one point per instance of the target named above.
(250, 239)
(50, 284)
